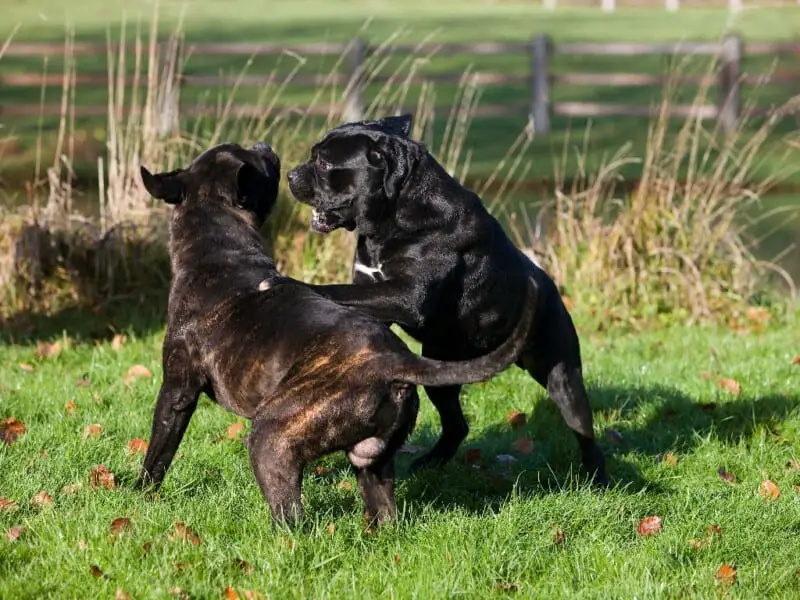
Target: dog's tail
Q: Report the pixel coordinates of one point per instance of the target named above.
(419, 370)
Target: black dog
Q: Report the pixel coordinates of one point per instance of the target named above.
(430, 258)
(315, 377)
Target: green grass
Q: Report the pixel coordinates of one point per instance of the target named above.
(462, 531)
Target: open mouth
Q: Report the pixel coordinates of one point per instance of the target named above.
(319, 222)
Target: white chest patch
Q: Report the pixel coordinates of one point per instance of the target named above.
(370, 272)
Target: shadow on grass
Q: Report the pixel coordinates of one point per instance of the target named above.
(674, 422)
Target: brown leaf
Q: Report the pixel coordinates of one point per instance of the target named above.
(649, 526)
(397, 559)
(120, 525)
(796, 360)
(668, 459)
(235, 429)
(13, 533)
(714, 530)
(729, 477)
(41, 500)
(46, 350)
(70, 407)
(28, 368)
(70, 489)
(560, 538)
(523, 445)
(96, 571)
(186, 534)
(118, 341)
(137, 446)
(137, 372)
(101, 476)
(344, 485)
(758, 314)
(245, 567)
(517, 419)
(769, 490)
(230, 594)
(321, 470)
(614, 437)
(7, 505)
(121, 594)
(10, 429)
(92, 431)
(473, 456)
(506, 587)
(331, 528)
(726, 574)
(731, 385)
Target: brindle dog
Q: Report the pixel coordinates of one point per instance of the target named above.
(314, 376)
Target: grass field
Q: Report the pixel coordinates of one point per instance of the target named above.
(474, 532)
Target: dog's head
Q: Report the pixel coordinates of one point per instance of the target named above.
(356, 173)
(245, 181)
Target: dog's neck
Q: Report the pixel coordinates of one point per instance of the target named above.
(216, 251)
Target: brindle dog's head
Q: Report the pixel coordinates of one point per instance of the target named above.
(356, 173)
(244, 181)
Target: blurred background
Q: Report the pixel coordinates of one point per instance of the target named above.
(645, 151)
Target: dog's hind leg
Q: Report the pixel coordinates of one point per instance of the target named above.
(278, 470)
(174, 408)
(376, 486)
(454, 427)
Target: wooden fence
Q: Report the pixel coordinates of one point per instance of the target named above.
(540, 81)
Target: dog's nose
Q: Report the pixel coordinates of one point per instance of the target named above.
(262, 147)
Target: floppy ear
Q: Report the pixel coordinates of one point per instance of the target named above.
(256, 192)
(164, 186)
(398, 158)
(400, 125)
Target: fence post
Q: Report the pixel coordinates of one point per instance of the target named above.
(730, 83)
(541, 48)
(168, 97)
(354, 94)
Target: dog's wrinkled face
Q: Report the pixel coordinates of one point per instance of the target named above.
(355, 172)
(243, 180)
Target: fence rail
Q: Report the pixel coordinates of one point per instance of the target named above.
(540, 80)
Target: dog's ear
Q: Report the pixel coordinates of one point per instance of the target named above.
(400, 125)
(249, 183)
(164, 186)
(397, 158)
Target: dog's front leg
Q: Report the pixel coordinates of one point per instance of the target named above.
(174, 409)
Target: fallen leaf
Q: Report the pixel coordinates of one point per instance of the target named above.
(121, 594)
(321, 470)
(235, 429)
(506, 587)
(137, 372)
(245, 567)
(28, 368)
(253, 595)
(70, 407)
(101, 476)
(523, 445)
(92, 431)
(10, 429)
(796, 360)
(473, 456)
(8, 505)
(706, 375)
(731, 385)
(344, 485)
(726, 574)
(560, 538)
(410, 449)
(70, 489)
(649, 526)
(137, 446)
(45, 350)
(120, 525)
(517, 419)
(13, 533)
(758, 314)
(729, 477)
(698, 544)
(96, 571)
(397, 559)
(613, 436)
(668, 459)
(118, 341)
(769, 490)
(230, 594)
(331, 528)
(41, 500)
(186, 534)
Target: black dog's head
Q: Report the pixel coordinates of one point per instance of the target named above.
(356, 173)
(245, 181)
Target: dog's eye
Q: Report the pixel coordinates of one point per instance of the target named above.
(323, 164)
